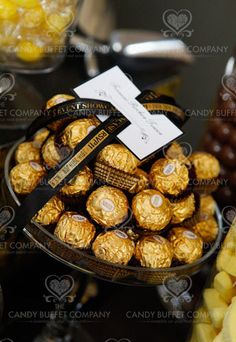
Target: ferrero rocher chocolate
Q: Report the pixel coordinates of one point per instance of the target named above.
(114, 246)
(205, 164)
(154, 251)
(175, 151)
(143, 182)
(80, 184)
(40, 137)
(50, 152)
(207, 206)
(151, 210)
(169, 176)
(207, 229)
(59, 98)
(27, 151)
(77, 130)
(187, 246)
(118, 157)
(108, 206)
(183, 209)
(75, 230)
(25, 177)
(51, 212)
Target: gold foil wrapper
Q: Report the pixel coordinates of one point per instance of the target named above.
(25, 177)
(205, 164)
(183, 209)
(80, 184)
(175, 151)
(75, 230)
(77, 130)
(59, 98)
(151, 210)
(118, 157)
(114, 246)
(206, 229)
(207, 206)
(27, 151)
(169, 176)
(40, 137)
(187, 246)
(154, 251)
(51, 212)
(142, 183)
(50, 152)
(108, 206)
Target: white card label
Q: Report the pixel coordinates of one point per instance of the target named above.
(147, 133)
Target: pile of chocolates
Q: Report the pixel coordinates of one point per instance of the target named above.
(155, 213)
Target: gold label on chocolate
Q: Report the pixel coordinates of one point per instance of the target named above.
(189, 235)
(121, 234)
(169, 169)
(90, 129)
(107, 205)
(79, 218)
(156, 201)
(36, 166)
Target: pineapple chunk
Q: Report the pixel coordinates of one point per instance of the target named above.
(226, 260)
(216, 306)
(219, 338)
(229, 324)
(204, 332)
(225, 286)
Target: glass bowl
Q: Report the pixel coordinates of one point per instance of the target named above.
(87, 263)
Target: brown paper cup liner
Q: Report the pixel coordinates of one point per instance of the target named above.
(114, 177)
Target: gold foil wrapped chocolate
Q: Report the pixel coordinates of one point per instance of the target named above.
(75, 230)
(59, 98)
(205, 164)
(80, 184)
(108, 206)
(207, 229)
(187, 246)
(175, 151)
(207, 206)
(27, 151)
(118, 157)
(77, 130)
(25, 177)
(142, 183)
(151, 210)
(154, 251)
(183, 209)
(40, 137)
(50, 152)
(114, 246)
(51, 212)
(169, 176)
